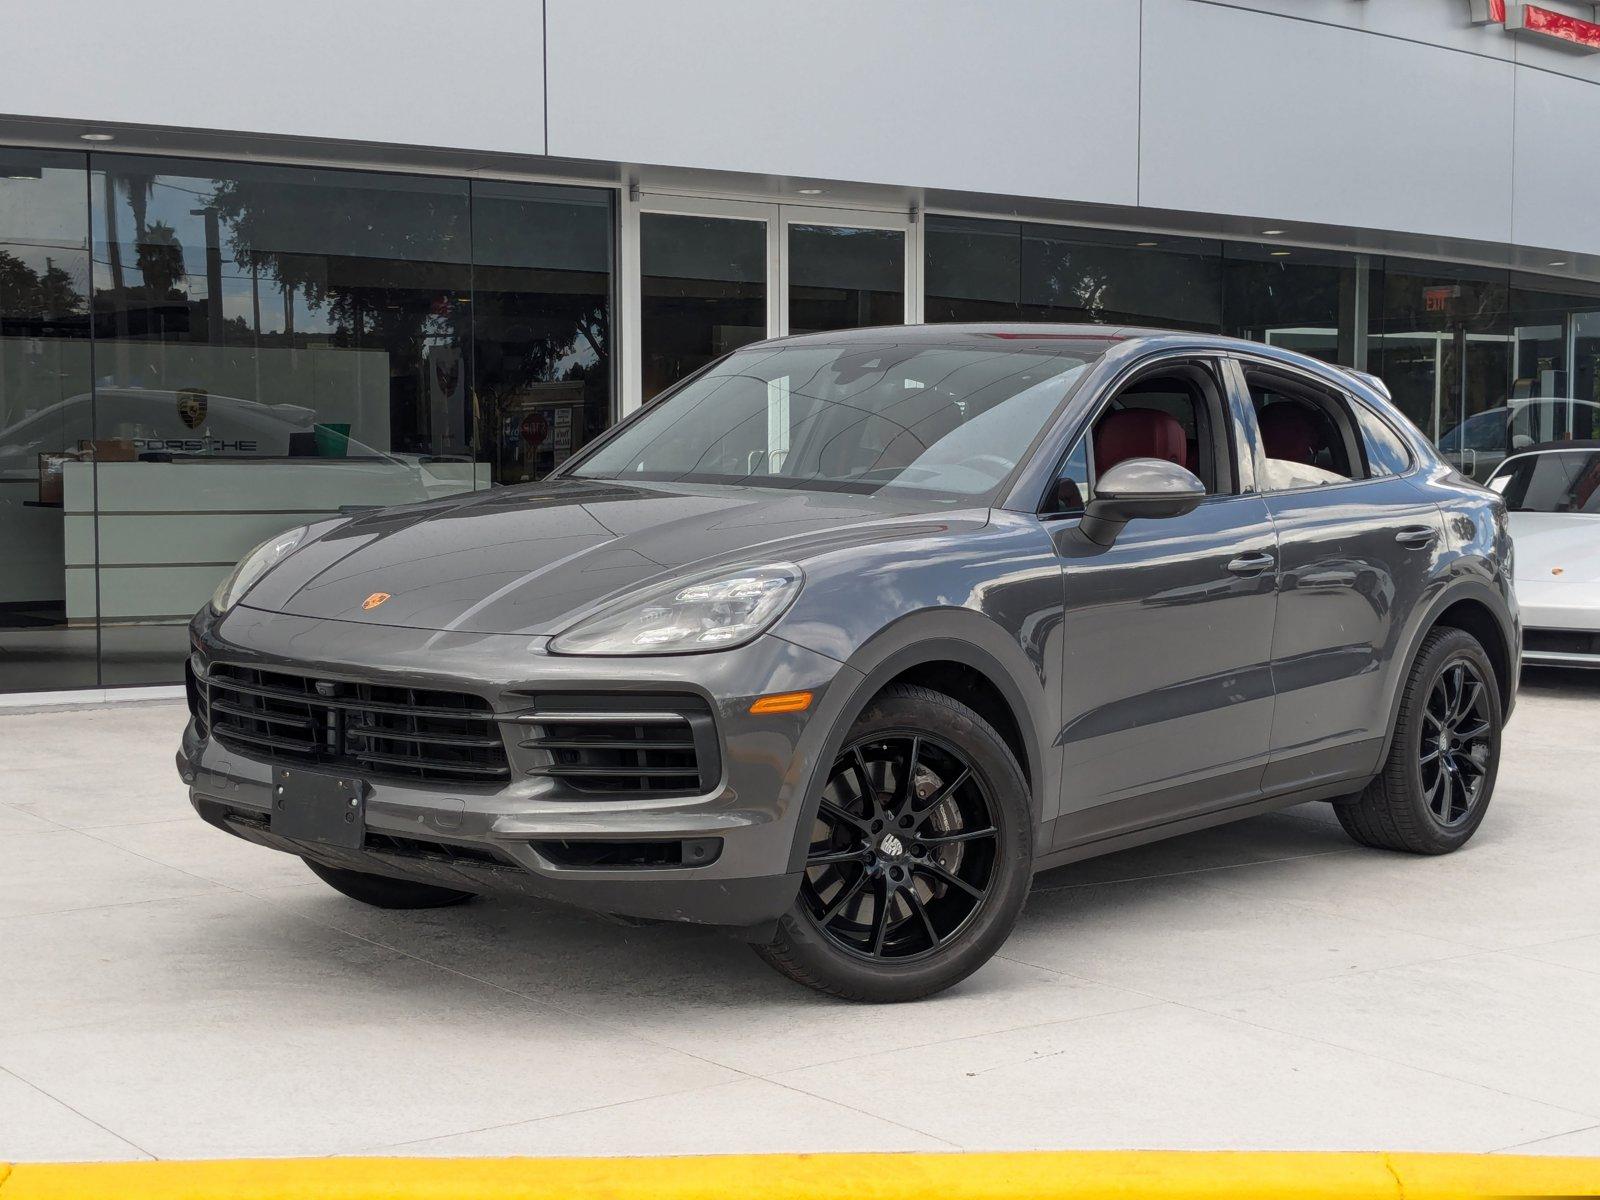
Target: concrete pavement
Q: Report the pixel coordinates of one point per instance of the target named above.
(166, 991)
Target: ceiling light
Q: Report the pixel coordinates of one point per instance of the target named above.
(1280, 254)
(1147, 243)
(97, 137)
(811, 191)
(1271, 232)
(1562, 263)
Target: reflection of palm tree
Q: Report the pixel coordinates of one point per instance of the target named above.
(137, 187)
(160, 258)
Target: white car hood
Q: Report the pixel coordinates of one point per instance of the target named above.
(1550, 542)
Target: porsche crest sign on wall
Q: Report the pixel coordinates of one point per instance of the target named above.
(1539, 21)
(192, 406)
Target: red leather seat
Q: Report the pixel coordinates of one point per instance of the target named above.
(1289, 433)
(1138, 433)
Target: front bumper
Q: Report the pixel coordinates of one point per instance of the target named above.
(498, 838)
(1558, 629)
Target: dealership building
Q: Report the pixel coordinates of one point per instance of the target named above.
(261, 264)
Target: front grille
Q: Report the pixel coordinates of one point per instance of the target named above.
(633, 745)
(371, 729)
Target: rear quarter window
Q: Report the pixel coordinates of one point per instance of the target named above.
(1387, 453)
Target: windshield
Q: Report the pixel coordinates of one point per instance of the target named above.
(1486, 431)
(1566, 481)
(953, 421)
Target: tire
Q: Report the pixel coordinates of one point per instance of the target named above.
(929, 910)
(383, 891)
(1406, 807)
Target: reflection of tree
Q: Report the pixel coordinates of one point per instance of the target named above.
(30, 295)
(513, 356)
(160, 259)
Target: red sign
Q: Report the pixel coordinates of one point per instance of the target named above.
(1573, 33)
(535, 428)
(1437, 299)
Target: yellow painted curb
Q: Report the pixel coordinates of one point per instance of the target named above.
(1025, 1176)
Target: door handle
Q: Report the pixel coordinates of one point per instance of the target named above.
(1416, 536)
(1252, 564)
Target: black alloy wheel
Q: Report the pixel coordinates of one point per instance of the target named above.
(902, 853)
(1437, 779)
(1455, 743)
(918, 859)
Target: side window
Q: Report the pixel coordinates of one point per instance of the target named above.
(1174, 413)
(1307, 434)
(1386, 451)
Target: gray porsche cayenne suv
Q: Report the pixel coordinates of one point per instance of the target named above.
(838, 642)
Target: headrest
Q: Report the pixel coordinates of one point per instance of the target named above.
(1288, 432)
(1138, 433)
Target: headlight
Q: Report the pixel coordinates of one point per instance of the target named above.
(252, 567)
(714, 612)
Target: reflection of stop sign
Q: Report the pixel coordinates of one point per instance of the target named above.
(535, 428)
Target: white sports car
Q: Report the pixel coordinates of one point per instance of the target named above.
(1553, 494)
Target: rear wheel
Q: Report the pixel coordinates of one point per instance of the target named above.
(919, 858)
(1436, 784)
(382, 891)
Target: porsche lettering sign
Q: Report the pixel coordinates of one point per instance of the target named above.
(1538, 21)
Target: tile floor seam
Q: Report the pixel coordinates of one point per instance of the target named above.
(158, 862)
(1547, 1138)
(608, 1023)
(48, 1095)
(1156, 1002)
(217, 889)
(539, 1001)
(573, 1112)
(1473, 1083)
(1322, 910)
(1466, 953)
(865, 1113)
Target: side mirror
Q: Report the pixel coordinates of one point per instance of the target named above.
(1139, 487)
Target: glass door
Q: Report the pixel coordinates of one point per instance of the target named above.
(704, 268)
(714, 275)
(846, 269)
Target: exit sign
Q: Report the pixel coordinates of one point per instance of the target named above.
(1437, 299)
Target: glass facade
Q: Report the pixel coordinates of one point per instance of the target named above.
(1484, 361)
(196, 356)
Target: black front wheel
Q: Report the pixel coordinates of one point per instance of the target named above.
(919, 856)
(1438, 779)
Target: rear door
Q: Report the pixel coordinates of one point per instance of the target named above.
(1357, 542)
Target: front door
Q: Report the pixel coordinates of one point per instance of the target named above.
(1167, 695)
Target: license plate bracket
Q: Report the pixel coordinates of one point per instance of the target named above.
(308, 806)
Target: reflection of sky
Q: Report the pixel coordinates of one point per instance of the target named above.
(49, 209)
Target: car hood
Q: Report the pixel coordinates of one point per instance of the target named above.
(1556, 546)
(526, 560)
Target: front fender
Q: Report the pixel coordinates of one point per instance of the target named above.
(958, 636)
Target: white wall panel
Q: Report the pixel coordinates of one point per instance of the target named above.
(1036, 97)
(1557, 170)
(1436, 22)
(468, 75)
(1255, 114)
